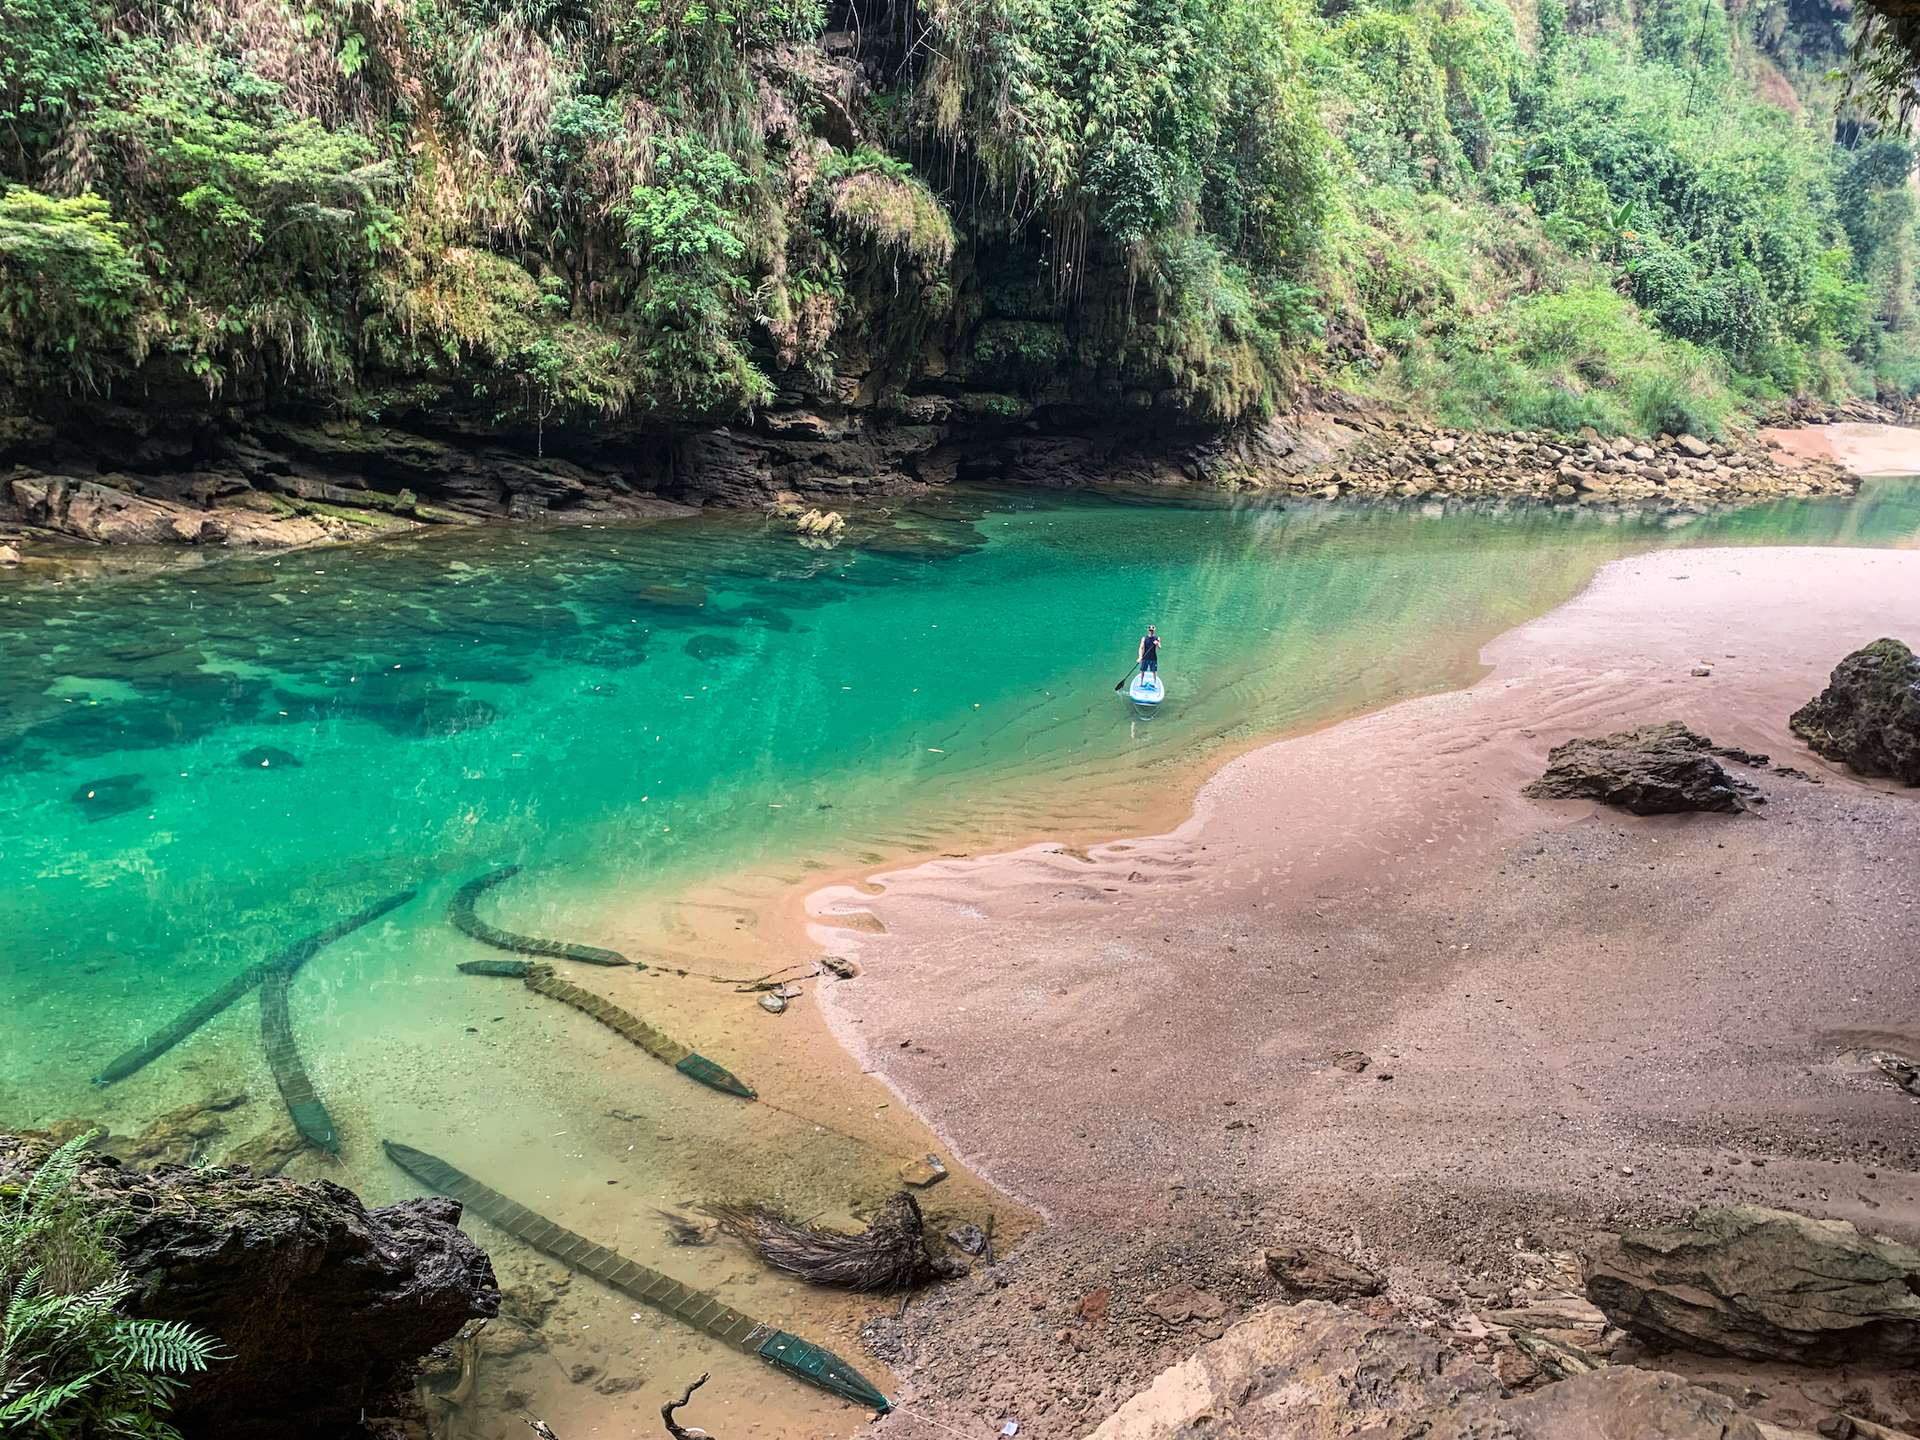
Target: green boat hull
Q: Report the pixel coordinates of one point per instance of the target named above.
(786, 1352)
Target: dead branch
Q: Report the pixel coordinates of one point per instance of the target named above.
(674, 1428)
(890, 1254)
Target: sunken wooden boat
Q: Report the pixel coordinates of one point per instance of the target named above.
(303, 1102)
(785, 1352)
(285, 962)
(461, 916)
(542, 980)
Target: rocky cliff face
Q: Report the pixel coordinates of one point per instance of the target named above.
(323, 1306)
(184, 472)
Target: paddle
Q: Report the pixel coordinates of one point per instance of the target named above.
(1126, 677)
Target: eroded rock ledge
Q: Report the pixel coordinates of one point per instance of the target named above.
(175, 473)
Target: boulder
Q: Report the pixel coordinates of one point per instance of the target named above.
(90, 511)
(1762, 1284)
(1655, 770)
(1616, 1403)
(1314, 1371)
(1869, 714)
(322, 1306)
(1692, 445)
(1304, 1372)
(1306, 1272)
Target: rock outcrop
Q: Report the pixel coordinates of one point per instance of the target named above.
(175, 471)
(1306, 1272)
(1868, 717)
(322, 1306)
(1764, 1285)
(1305, 1372)
(1315, 1371)
(1654, 770)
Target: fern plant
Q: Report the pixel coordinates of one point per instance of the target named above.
(72, 1365)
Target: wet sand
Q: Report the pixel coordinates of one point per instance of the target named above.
(1574, 1018)
(1866, 450)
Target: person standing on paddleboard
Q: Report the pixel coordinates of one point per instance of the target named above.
(1149, 661)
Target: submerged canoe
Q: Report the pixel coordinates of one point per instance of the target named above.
(303, 1102)
(460, 914)
(785, 1352)
(285, 962)
(663, 1047)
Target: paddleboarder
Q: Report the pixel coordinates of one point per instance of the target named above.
(1149, 661)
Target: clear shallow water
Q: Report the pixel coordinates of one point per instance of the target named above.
(667, 725)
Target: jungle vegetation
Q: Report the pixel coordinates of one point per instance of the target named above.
(1634, 214)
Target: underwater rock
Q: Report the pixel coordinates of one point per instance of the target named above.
(1654, 770)
(323, 1306)
(711, 647)
(269, 757)
(182, 1136)
(113, 795)
(1869, 715)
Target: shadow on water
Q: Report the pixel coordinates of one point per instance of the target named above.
(200, 766)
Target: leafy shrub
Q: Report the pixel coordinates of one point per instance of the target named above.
(72, 1366)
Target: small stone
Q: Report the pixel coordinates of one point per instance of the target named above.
(773, 1004)
(969, 1238)
(923, 1172)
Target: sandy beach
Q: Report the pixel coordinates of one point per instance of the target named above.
(1572, 1019)
(1866, 450)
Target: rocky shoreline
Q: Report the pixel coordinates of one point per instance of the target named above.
(271, 482)
(1682, 472)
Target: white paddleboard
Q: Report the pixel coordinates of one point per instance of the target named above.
(1146, 690)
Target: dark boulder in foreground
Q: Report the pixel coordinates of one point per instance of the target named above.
(1869, 715)
(1763, 1284)
(323, 1306)
(1655, 770)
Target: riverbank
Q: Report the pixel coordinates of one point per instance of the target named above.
(1570, 1019)
(280, 485)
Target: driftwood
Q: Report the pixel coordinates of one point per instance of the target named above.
(890, 1254)
(674, 1428)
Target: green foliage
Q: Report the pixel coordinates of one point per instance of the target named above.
(50, 53)
(72, 1366)
(70, 290)
(555, 210)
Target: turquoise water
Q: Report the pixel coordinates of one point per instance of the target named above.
(647, 718)
(636, 709)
